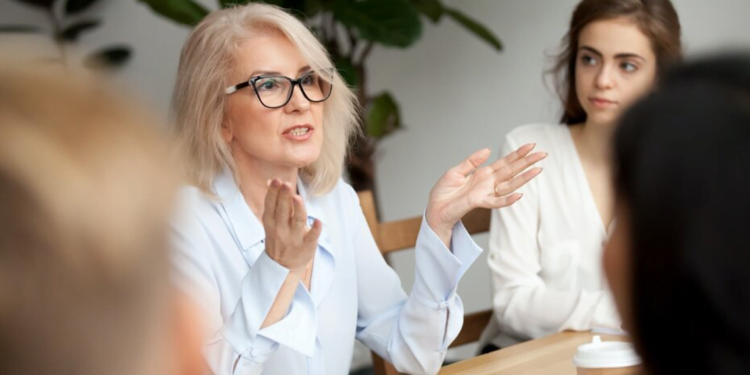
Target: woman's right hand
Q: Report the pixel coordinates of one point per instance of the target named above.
(289, 241)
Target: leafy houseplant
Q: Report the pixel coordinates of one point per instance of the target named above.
(67, 26)
(350, 29)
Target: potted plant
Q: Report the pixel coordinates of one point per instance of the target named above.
(65, 26)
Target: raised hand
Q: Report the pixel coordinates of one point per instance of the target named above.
(467, 186)
(289, 241)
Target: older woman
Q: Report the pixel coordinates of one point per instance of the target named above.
(273, 243)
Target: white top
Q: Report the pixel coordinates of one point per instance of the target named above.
(545, 251)
(220, 261)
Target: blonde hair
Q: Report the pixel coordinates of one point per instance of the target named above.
(199, 103)
(86, 190)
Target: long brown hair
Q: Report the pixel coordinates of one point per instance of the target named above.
(657, 19)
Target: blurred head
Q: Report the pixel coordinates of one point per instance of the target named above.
(612, 54)
(86, 190)
(677, 260)
(228, 130)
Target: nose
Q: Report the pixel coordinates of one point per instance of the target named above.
(604, 79)
(298, 102)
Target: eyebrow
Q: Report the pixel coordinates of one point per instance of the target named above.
(625, 55)
(275, 73)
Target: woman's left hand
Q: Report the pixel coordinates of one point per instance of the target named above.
(467, 186)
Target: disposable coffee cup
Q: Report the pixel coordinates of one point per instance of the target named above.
(607, 358)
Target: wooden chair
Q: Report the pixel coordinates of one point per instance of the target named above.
(402, 234)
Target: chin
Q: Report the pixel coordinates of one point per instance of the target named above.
(604, 118)
(302, 161)
(303, 156)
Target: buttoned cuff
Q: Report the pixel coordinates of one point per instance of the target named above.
(438, 269)
(259, 290)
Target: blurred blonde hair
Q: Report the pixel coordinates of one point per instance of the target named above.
(199, 102)
(86, 189)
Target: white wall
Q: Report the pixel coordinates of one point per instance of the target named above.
(456, 94)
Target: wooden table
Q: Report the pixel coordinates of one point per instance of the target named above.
(551, 355)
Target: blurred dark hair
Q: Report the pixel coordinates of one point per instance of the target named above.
(683, 157)
(657, 19)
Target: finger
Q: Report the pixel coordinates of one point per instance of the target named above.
(507, 172)
(269, 206)
(513, 156)
(473, 162)
(299, 216)
(284, 205)
(314, 232)
(503, 201)
(515, 183)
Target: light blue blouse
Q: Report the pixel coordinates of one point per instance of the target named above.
(220, 261)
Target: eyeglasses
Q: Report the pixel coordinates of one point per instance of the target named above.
(276, 91)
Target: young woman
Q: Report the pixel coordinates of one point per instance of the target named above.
(545, 251)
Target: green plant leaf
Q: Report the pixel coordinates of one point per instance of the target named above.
(19, 29)
(71, 33)
(347, 71)
(383, 117)
(186, 12)
(279, 3)
(227, 3)
(388, 22)
(77, 6)
(303, 8)
(433, 9)
(108, 58)
(475, 27)
(47, 4)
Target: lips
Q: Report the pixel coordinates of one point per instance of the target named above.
(298, 130)
(602, 102)
(299, 133)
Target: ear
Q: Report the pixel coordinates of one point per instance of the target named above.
(226, 131)
(188, 333)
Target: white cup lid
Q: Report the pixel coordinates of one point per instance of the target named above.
(606, 354)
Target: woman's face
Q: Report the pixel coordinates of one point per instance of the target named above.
(615, 65)
(618, 267)
(287, 137)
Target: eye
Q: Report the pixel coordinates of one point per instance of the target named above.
(588, 60)
(628, 66)
(310, 79)
(267, 84)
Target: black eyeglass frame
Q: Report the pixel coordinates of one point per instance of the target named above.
(294, 82)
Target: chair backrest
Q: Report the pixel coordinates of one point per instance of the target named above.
(402, 234)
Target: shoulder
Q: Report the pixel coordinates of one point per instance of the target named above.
(196, 210)
(193, 201)
(536, 133)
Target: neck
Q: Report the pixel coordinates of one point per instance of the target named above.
(595, 143)
(254, 175)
